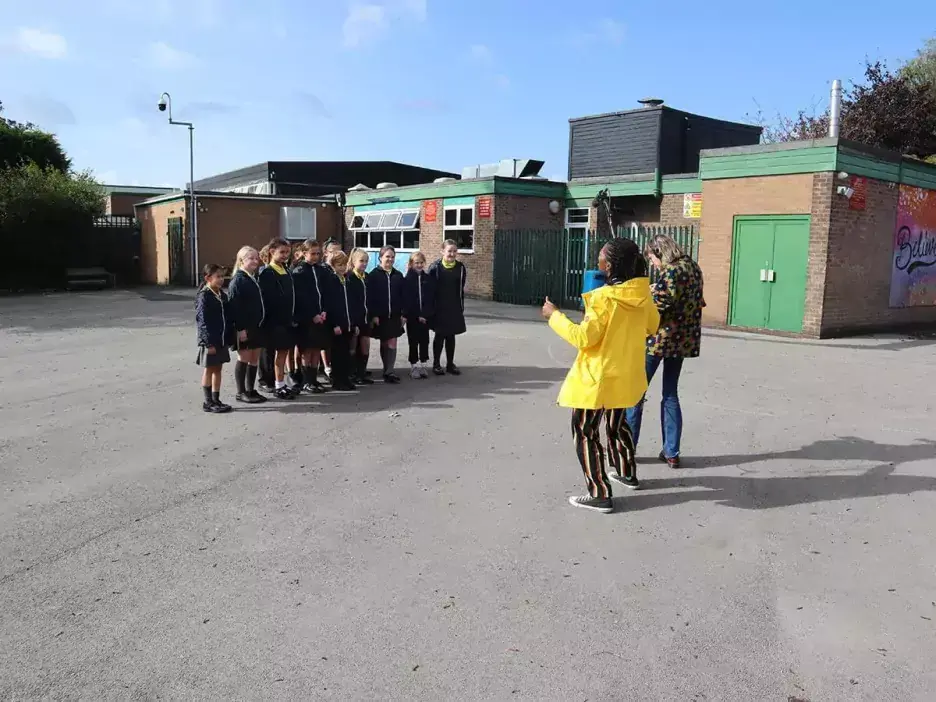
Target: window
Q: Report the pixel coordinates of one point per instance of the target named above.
(297, 223)
(459, 226)
(396, 228)
(576, 215)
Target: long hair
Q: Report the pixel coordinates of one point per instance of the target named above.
(383, 250)
(624, 260)
(664, 248)
(356, 255)
(265, 255)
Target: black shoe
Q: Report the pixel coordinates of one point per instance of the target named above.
(438, 370)
(629, 482)
(452, 369)
(362, 380)
(671, 462)
(210, 407)
(344, 386)
(257, 397)
(221, 407)
(296, 390)
(593, 503)
(249, 399)
(266, 388)
(283, 393)
(391, 378)
(315, 388)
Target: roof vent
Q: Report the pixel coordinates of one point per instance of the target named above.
(358, 188)
(651, 102)
(533, 177)
(386, 186)
(444, 180)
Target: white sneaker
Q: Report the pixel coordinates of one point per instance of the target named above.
(415, 374)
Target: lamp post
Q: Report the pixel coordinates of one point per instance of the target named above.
(165, 105)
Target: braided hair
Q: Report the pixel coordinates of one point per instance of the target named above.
(624, 261)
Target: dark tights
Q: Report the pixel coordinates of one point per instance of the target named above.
(449, 343)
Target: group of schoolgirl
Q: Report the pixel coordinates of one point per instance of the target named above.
(287, 322)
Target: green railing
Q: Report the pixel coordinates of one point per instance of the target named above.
(531, 264)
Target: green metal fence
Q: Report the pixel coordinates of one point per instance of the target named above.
(531, 264)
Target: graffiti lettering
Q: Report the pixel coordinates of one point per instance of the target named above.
(914, 252)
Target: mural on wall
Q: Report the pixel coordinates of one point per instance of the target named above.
(913, 267)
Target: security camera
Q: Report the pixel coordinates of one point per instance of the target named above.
(846, 191)
(163, 103)
(842, 175)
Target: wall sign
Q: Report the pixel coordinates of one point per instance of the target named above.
(859, 198)
(913, 262)
(692, 206)
(430, 211)
(484, 207)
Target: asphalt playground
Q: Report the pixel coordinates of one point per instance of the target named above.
(415, 543)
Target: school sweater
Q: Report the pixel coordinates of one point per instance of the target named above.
(418, 295)
(245, 301)
(279, 297)
(309, 282)
(338, 303)
(357, 299)
(384, 294)
(212, 322)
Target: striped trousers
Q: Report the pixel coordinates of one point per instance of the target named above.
(586, 432)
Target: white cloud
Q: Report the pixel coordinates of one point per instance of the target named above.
(162, 55)
(482, 53)
(364, 23)
(36, 42)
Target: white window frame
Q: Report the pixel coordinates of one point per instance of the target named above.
(576, 225)
(298, 223)
(460, 227)
(391, 217)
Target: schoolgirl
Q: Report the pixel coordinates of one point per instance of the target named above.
(448, 321)
(214, 333)
(418, 307)
(247, 311)
(310, 279)
(340, 321)
(279, 299)
(266, 378)
(357, 294)
(385, 309)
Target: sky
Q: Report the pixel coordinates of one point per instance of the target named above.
(438, 83)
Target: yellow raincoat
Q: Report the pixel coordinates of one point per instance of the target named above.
(610, 370)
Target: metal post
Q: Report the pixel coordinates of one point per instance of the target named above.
(194, 204)
(835, 109)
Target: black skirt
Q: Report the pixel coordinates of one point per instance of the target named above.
(210, 360)
(256, 339)
(282, 338)
(389, 328)
(311, 336)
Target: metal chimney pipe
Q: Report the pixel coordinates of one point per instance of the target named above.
(835, 109)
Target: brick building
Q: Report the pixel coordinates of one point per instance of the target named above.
(120, 199)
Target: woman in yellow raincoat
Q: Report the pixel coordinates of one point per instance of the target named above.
(609, 373)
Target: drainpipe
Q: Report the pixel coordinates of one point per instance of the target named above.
(835, 109)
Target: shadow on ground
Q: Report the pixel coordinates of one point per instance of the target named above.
(475, 383)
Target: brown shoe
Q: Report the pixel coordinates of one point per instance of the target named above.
(671, 462)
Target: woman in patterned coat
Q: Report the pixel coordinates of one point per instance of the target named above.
(678, 297)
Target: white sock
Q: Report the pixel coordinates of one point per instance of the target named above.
(280, 384)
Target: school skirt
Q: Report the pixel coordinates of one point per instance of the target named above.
(209, 360)
(256, 339)
(311, 336)
(282, 338)
(389, 328)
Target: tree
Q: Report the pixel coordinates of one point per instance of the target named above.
(23, 142)
(892, 111)
(921, 69)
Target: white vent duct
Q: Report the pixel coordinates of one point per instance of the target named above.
(386, 186)
(835, 109)
(507, 168)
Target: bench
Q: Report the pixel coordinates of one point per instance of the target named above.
(83, 278)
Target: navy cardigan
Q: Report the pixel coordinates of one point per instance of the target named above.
(211, 319)
(309, 281)
(357, 300)
(279, 298)
(418, 295)
(384, 294)
(338, 303)
(245, 302)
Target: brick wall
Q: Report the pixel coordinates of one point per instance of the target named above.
(122, 204)
(818, 254)
(721, 201)
(860, 255)
(666, 211)
(154, 242)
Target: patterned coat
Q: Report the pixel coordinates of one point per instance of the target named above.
(678, 296)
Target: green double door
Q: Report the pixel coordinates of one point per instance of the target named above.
(768, 272)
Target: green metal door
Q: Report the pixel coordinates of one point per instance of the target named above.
(787, 275)
(749, 301)
(768, 272)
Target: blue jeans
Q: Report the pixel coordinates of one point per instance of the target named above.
(670, 411)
